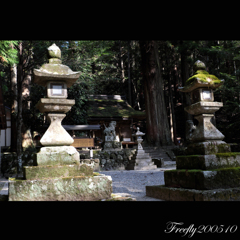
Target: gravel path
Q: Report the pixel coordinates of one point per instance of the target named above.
(134, 182)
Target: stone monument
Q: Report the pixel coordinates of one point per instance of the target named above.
(58, 176)
(142, 160)
(111, 143)
(209, 171)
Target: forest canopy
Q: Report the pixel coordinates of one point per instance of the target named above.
(115, 67)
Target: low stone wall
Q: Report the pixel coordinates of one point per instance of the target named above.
(9, 161)
(102, 160)
(109, 160)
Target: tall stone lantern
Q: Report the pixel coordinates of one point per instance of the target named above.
(208, 171)
(56, 77)
(203, 107)
(58, 174)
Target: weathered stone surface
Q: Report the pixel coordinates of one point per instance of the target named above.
(56, 135)
(207, 148)
(57, 105)
(79, 188)
(54, 51)
(181, 194)
(64, 155)
(203, 107)
(203, 180)
(208, 162)
(40, 172)
(93, 163)
(205, 130)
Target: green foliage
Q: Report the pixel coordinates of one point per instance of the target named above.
(99, 62)
(8, 53)
(78, 113)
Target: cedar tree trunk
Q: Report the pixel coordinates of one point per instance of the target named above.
(158, 132)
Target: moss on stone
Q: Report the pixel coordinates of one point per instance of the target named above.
(49, 171)
(223, 147)
(204, 77)
(228, 154)
(96, 174)
(112, 108)
(78, 188)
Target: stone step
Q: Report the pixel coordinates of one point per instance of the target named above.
(141, 162)
(203, 180)
(144, 164)
(142, 156)
(182, 194)
(158, 154)
(169, 163)
(152, 167)
(154, 150)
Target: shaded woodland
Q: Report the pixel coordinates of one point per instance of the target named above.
(147, 72)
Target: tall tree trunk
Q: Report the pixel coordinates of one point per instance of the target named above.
(26, 132)
(158, 133)
(186, 96)
(172, 112)
(14, 108)
(121, 62)
(19, 114)
(129, 75)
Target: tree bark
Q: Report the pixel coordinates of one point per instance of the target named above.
(27, 140)
(129, 75)
(14, 108)
(186, 96)
(121, 62)
(172, 112)
(20, 78)
(158, 132)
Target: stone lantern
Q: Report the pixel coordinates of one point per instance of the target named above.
(203, 107)
(56, 77)
(208, 171)
(142, 160)
(58, 174)
(139, 135)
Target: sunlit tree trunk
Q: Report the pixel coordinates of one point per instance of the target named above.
(19, 112)
(158, 132)
(14, 108)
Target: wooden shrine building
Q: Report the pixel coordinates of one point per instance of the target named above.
(106, 108)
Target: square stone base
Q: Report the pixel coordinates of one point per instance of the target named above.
(180, 194)
(63, 155)
(208, 147)
(79, 188)
(203, 180)
(41, 172)
(207, 162)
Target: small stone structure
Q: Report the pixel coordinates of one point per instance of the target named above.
(115, 160)
(111, 142)
(59, 175)
(210, 171)
(142, 160)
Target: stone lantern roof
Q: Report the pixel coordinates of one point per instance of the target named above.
(201, 78)
(54, 70)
